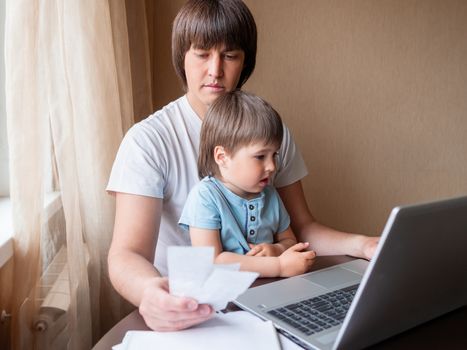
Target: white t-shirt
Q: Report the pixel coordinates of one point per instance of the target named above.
(158, 158)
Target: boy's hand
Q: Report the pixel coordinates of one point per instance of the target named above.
(264, 249)
(295, 261)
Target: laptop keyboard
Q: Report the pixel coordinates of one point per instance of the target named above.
(319, 313)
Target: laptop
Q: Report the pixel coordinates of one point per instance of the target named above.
(418, 272)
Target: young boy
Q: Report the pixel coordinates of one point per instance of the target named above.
(234, 208)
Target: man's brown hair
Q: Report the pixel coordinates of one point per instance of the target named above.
(211, 23)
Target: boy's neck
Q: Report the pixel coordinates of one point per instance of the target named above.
(235, 190)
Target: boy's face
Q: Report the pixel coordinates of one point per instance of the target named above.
(210, 73)
(249, 169)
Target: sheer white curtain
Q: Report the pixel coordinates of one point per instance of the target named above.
(68, 84)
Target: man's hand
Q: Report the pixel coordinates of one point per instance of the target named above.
(369, 247)
(164, 312)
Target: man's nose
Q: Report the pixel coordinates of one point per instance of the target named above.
(216, 66)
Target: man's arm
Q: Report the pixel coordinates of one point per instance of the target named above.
(324, 240)
(133, 274)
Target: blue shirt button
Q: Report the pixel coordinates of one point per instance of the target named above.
(252, 232)
(252, 218)
(251, 207)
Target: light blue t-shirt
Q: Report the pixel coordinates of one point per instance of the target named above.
(211, 205)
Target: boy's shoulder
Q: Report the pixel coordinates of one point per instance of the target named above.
(270, 190)
(203, 188)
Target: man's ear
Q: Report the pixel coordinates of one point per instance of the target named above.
(220, 155)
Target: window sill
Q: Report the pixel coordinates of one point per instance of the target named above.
(52, 205)
(6, 230)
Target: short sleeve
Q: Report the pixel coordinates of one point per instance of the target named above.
(138, 167)
(200, 210)
(284, 218)
(291, 166)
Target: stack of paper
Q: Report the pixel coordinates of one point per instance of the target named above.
(230, 331)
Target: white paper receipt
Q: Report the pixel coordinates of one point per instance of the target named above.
(192, 273)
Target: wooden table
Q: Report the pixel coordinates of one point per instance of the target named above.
(446, 332)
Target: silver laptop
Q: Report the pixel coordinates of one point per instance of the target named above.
(419, 272)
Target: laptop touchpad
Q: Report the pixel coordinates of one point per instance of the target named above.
(333, 277)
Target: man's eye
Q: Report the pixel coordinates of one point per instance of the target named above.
(201, 54)
(230, 56)
(233, 55)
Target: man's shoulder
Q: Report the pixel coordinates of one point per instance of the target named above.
(169, 114)
(162, 124)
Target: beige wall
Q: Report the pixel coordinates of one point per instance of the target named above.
(375, 93)
(165, 84)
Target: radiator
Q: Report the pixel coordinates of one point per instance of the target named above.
(51, 323)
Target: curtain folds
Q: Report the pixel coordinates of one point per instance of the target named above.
(70, 81)
(26, 163)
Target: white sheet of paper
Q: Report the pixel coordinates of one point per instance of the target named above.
(192, 273)
(242, 325)
(188, 268)
(230, 331)
(223, 286)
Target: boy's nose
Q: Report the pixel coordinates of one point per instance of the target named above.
(271, 165)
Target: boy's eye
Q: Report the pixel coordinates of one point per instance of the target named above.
(259, 157)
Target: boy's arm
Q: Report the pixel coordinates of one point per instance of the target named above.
(283, 241)
(291, 263)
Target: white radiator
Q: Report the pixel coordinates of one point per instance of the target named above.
(51, 323)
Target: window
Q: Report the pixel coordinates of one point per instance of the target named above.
(4, 169)
(6, 245)
(52, 200)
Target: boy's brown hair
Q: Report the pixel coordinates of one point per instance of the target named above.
(236, 119)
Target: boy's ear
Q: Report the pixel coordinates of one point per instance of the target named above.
(219, 155)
